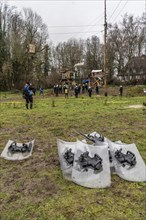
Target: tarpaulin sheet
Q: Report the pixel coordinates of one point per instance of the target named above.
(136, 173)
(102, 143)
(18, 155)
(90, 178)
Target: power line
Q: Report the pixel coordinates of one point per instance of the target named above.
(99, 19)
(115, 10)
(70, 26)
(122, 9)
(75, 32)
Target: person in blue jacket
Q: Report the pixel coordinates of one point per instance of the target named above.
(28, 95)
(41, 91)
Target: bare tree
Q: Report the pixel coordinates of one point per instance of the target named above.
(69, 53)
(93, 54)
(125, 41)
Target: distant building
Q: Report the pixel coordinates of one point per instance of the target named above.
(135, 70)
(97, 77)
(67, 75)
(97, 74)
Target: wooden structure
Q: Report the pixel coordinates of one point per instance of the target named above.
(67, 76)
(96, 77)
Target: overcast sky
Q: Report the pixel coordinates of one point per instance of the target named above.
(80, 19)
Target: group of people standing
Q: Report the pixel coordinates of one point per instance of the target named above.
(77, 88)
(57, 89)
(78, 91)
(29, 91)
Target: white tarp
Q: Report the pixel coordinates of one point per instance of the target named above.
(136, 173)
(74, 173)
(90, 178)
(18, 155)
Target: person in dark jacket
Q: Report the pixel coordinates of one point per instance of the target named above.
(86, 87)
(34, 90)
(90, 91)
(28, 95)
(56, 90)
(97, 89)
(79, 88)
(121, 90)
(76, 89)
(41, 91)
(83, 88)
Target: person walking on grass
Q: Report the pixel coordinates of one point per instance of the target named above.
(97, 89)
(121, 91)
(90, 91)
(56, 90)
(76, 89)
(66, 93)
(28, 95)
(41, 91)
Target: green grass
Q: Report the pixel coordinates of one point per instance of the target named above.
(35, 189)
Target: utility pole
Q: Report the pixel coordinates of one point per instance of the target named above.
(105, 35)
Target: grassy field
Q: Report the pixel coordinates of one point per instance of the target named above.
(34, 189)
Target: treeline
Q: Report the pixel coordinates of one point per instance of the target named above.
(20, 29)
(17, 31)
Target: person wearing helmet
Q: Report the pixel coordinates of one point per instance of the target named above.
(90, 91)
(121, 90)
(28, 95)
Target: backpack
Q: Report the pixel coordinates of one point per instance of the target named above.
(25, 91)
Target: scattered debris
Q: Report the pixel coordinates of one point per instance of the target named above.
(91, 165)
(17, 151)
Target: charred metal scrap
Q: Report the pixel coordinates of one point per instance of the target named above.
(86, 162)
(14, 148)
(69, 157)
(95, 139)
(92, 138)
(125, 159)
(91, 165)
